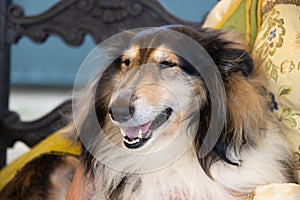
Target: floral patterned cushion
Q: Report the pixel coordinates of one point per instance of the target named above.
(278, 45)
(271, 30)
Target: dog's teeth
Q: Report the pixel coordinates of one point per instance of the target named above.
(126, 140)
(122, 132)
(140, 134)
(133, 141)
(136, 140)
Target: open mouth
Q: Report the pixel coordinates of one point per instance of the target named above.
(135, 137)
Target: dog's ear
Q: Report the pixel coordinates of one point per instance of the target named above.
(234, 61)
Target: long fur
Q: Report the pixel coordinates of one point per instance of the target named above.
(250, 151)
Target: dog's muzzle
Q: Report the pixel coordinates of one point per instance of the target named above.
(136, 136)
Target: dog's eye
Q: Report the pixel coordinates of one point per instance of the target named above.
(126, 62)
(167, 64)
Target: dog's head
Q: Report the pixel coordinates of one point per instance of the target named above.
(153, 96)
(148, 92)
(146, 101)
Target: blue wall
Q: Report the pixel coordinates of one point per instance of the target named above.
(54, 63)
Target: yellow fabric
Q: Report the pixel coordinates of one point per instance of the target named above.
(55, 144)
(229, 13)
(258, 14)
(243, 16)
(278, 46)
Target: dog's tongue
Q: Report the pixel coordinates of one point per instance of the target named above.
(133, 132)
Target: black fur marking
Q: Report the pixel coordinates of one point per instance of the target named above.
(289, 170)
(116, 191)
(219, 151)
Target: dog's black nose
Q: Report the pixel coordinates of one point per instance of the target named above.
(121, 110)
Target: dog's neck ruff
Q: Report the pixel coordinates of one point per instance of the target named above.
(183, 180)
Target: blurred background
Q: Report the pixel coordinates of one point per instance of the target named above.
(42, 75)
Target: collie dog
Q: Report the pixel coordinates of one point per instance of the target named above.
(161, 132)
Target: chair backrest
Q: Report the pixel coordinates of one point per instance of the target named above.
(70, 20)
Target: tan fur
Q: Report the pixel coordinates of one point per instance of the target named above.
(162, 54)
(246, 106)
(80, 188)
